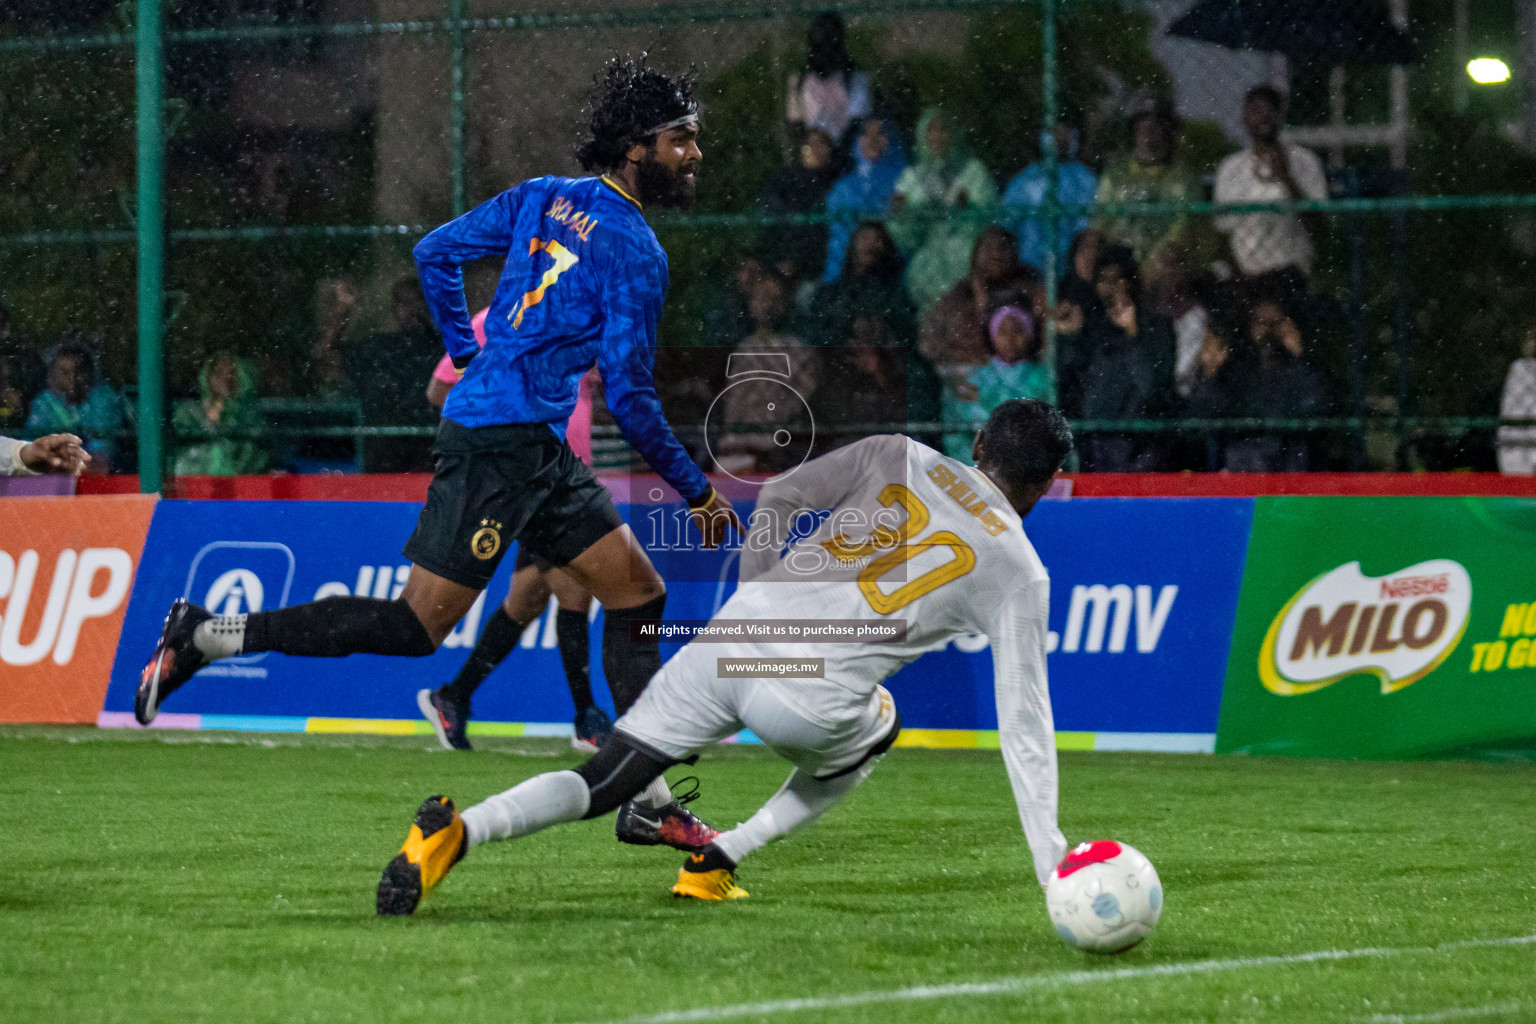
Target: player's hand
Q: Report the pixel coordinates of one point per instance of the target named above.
(713, 515)
(56, 453)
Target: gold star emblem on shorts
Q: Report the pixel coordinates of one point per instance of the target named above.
(487, 540)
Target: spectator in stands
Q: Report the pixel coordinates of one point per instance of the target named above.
(1517, 445)
(1270, 245)
(77, 402)
(869, 282)
(21, 376)
(1173, 292)
(385, 372)
(870, 379)
(1207, 395)
(829, 92)
(1076, 291)
(758, 400)
(1267, 376)
(1119, 366)
(942, 203)
(217, 429)
(953, 333)
(802, 187)
(336, 308)
(1016, 370)
(728, 317)
(1025, 195)
(1150, 173)
(865, 191)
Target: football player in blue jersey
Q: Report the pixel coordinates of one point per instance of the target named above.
(583, 283)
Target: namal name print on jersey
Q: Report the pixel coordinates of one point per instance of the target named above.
(1399, 627)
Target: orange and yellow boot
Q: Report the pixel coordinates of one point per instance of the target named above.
(434, 845)
(708, 875)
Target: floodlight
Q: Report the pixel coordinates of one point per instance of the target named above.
(1488, 71)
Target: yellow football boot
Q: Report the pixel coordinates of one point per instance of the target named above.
(434, 845)
(709, 875)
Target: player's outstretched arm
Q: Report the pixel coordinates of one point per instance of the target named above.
(1026, 728)
(633, 286)
(484, 231)
(55, 453)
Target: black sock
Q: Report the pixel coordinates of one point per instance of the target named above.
(338, 626)
(711, 858)
(500, 636)
(575, 655)
(629, 664)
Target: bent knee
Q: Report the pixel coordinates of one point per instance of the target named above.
(524, 609)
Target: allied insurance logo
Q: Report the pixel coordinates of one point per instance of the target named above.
(1399, 627)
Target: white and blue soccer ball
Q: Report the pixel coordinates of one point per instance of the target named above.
(1104, 897)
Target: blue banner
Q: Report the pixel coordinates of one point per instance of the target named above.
(241, 556)
(1143, 598)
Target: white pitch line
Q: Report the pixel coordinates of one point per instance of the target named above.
(1455, 1013)
(1006, 986)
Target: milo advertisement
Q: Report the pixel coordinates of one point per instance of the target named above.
(1384, 627)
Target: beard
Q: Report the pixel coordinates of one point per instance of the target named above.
(661, 186)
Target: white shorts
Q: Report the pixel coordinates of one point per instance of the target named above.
(686, 707)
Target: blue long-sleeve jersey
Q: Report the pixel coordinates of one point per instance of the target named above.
(584, 282)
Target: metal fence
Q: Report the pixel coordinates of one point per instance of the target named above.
(1398, 339)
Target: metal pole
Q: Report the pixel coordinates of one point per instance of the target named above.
(149, 70)
(1050, 157)
(459, 48)
(1357, 340)
(1402, 326)
(1462, 94)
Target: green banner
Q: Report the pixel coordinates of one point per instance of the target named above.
(1384, 627)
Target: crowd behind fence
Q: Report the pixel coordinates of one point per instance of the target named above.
(1192, 300)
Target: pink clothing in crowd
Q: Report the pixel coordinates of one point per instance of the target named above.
(578, 431)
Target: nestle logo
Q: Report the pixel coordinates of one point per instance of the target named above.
(1398, 626)
(1415, 586)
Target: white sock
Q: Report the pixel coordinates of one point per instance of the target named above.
(657, 794)
(222, 636)
(527, 807)
(801, 801)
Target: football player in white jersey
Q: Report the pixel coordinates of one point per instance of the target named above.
(919, 545)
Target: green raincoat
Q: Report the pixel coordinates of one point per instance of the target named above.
(938, 235)
(225, 447)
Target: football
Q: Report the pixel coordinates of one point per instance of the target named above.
(1104, 897)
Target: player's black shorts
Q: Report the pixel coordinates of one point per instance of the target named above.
(526, 556)
(493, 485)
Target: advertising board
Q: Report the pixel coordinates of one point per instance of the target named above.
(66, 568)
(1384, 627)
(1143, 596)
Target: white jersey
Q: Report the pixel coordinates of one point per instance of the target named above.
(10, 458)
(917, 537)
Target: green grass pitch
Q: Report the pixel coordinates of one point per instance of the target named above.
(230, 878)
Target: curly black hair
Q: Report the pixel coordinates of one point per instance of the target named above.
(629, 101)
(1026, 441)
